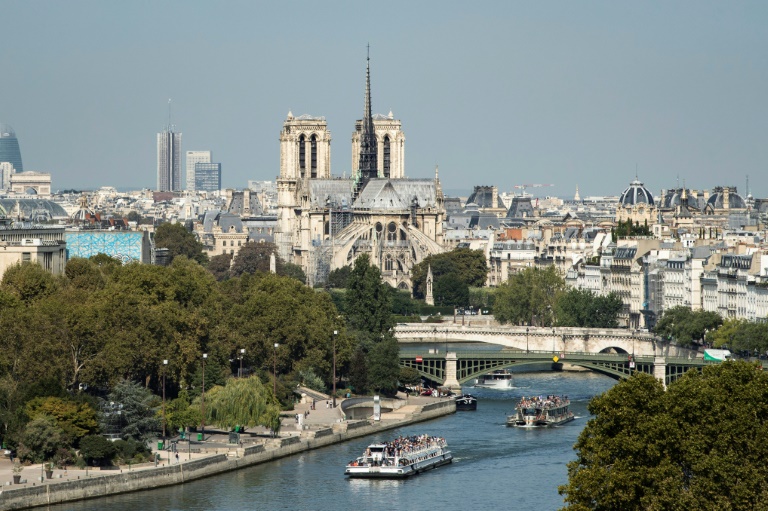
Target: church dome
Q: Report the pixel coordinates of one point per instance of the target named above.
(717, 199)
(636, 194)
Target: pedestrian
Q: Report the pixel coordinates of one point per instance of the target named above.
(177, 456)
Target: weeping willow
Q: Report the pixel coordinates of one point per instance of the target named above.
(242, 402)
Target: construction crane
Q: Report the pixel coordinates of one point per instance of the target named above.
(536, 185)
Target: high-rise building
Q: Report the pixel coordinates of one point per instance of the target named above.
(194, 157)
(169, 160)
(9, 153)
(207, 177)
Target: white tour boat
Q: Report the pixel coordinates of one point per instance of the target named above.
(499, 379)
(402, 457)
(541, 412)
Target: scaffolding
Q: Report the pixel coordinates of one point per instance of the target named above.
(339, 217)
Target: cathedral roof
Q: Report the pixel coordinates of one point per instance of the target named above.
(330, 192)
(397, 194)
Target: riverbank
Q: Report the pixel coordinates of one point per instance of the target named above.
(321, 427)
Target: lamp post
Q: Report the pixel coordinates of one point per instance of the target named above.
(335, 333)
(274, 371)
(165, 364)
(242, 356)
(526, 339)
(202, 400)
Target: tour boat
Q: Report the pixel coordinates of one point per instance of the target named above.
(400, 458)
(466, 402)
(498, 379)
(538, 411)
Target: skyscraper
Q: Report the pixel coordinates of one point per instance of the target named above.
(207, 177)
(9, 153)
(169, 160)
(194, 157)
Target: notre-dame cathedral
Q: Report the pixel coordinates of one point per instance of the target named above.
(325, 222)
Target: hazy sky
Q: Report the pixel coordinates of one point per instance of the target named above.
(566, 93)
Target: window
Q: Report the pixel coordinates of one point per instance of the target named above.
(26, 257)
(302, 155)
(386, 163)
(313, 155)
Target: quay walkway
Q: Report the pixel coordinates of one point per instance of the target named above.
(322, 426)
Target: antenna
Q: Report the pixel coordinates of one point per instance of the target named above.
(169, 114)
(368, 52)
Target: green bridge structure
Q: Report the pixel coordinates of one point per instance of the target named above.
(455, 368)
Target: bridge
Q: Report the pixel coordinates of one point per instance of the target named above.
(614, 352)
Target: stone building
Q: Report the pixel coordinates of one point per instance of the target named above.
(325, 222)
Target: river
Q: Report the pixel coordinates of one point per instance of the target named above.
(495, 466)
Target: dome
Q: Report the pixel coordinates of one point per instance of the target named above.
(717, 199)
(34, 209)
(673, 198)
(636, 194)
(6, 131)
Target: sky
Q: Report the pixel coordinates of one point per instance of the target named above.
(506, 93)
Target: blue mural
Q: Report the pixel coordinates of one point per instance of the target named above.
(125, 246)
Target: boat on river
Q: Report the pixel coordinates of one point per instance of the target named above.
(498, 379)
(466, 402)
(400, 458)
(538, 411)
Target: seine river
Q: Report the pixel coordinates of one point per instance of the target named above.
(495, 466)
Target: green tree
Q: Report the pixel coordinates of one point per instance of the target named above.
(293, 271)
(179, 414)
(695, 446)
(529, 297)
(84, 274)
(450, 289)
(219, 266)
(254, 257)
(137, 418)
(468, 265)
(337, 279)
(582, 308)
(409, 376)
(384, 370)
(40, 439)
(684, 326)
(29, 282)
(75, 419)
(179, 241)
(242, 402)
(96, 449)
(358, 372)
(368, 299)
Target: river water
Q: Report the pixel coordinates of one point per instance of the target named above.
(495, 466)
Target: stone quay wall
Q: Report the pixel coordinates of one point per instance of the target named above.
(145, 479)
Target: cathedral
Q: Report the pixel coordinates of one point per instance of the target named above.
(325, 222)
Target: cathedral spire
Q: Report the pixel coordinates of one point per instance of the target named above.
(368, 167)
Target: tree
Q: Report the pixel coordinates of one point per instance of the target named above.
(685, 326)
(242, 402)
(528, 297)
(137, 418)
(450, 289)
(255, 257)
(29, 282)
(384, 370)
(84, 274)
(96, 449)
(219, 265)
(293, 271)
(468, 265)
(368, 306)
(695, 446)
(75, 419)
(179, 241)
(179, 414)
(337, 279)
(40, 439)
(582, 308)
(358, 372)
(741, 336)
(409, 376)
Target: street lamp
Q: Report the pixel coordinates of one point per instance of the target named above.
(165, 364)
(202, 400)
(335, 333)
(526, 339)
(242, 356)
(274, 371)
